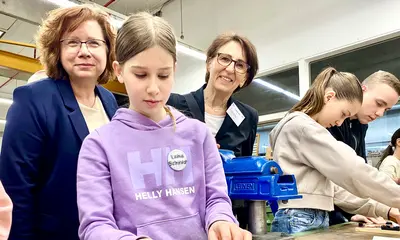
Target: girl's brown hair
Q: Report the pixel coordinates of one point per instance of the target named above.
(344, 84)
(142, 31)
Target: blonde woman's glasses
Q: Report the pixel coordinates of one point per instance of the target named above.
(75, 44)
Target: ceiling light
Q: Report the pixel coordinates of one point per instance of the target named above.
(63, 3)
(118, 23)
(277, 89)
(1, 33)
(182, 48)
(6, 101)
(190, 51)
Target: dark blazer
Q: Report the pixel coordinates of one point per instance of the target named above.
(239, 139)
(41, 142)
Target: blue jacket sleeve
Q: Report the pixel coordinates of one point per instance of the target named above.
(22, 146)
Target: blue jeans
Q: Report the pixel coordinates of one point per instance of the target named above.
(293, 220)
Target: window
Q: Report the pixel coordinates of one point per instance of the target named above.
(380, 132)
(279, 95)
(264, 131)
(365, 61)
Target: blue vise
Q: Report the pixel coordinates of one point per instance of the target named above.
(257, 178)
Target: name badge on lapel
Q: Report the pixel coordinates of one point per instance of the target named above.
(235, 114)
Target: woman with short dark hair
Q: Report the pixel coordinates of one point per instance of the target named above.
(231, 66)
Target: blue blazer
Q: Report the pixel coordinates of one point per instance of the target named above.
(41, 142)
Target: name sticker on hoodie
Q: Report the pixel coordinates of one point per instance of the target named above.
(177, 160)
(236, 115)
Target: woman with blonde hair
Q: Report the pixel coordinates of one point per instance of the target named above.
(49, 119)
(327, 171)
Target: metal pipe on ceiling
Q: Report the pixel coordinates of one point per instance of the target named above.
(109, 3)
(11, 78)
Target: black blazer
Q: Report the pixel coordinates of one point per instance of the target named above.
(39, 154)
(239, 139)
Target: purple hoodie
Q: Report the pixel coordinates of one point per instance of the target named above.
(127, 189)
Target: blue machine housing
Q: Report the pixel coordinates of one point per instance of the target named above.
(257, 178)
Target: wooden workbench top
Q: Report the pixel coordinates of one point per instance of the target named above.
(342, 231)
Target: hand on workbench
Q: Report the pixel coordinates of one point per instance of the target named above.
(394, 215)
(221, 230)
(361, 218)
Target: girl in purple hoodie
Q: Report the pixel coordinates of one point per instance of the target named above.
(152, 173)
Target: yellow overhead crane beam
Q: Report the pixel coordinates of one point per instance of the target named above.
(115, 87)
(32, 65)
(18, 43)
(19, 62)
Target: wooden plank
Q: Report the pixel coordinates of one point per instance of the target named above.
(339, 232)
(378, 231)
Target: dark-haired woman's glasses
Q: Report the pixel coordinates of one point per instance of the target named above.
(226, 59)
